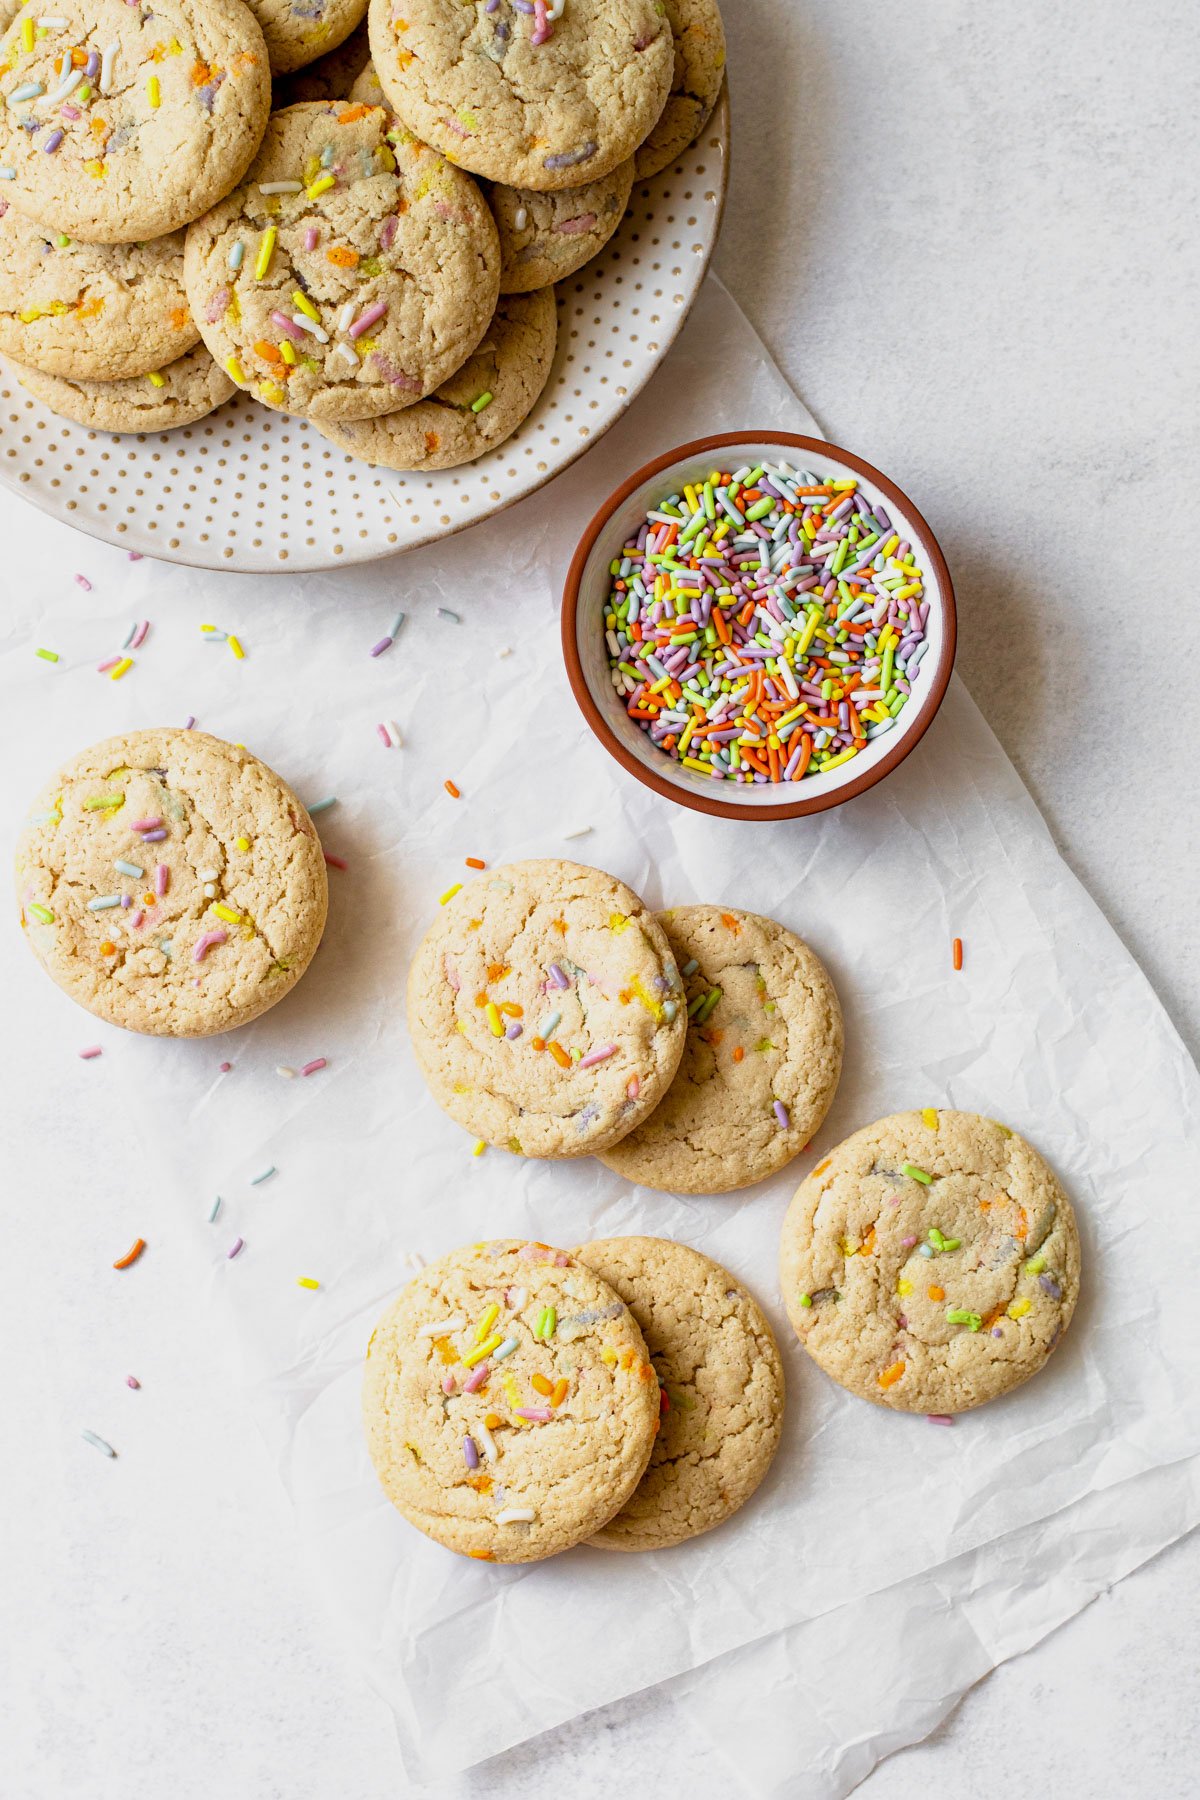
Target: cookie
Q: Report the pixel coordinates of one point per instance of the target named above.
(351, 273)
(158, 114)
(761, 1063)
(101, 312)
(479, 407)
(545, 1009)
(931, 1262)
(546, 237)
(509, 1402)
(520, 98)
(171, 883)
(331, 76)
(699, 38)
(721, 1384)
(178, 394)
(300, 31)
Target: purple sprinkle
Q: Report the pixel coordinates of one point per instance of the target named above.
(781, 1113)
(557, 977)
(491, 6)
(996, 1331)
(53, 141)
(514, 1031)
(189, 723)
(470, 1453)
(385, 643)
(567, 159)
(1049, 1286)
(237, 1244)
(153, 837)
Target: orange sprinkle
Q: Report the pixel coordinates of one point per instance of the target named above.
(821, 1167)
(342, 257)
(482, 1555)
(268, 351)
(560, 1391)
(351, 113)
(130, 1257)
(937, 1293)
(739, 1054)
(867, 1246)
(475, 862)
(497, 971)
(453, 792)
(491, 1420)
(541, 1385)
(560, 1056)
(539, 1043)
(956, 949)
(891, 1376)
(1023, 1227)
(731, 923)
(107, 949)
(512, 1008)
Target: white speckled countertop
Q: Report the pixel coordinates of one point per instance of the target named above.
(1014, 338)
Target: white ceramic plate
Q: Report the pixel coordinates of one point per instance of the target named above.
(257, 491)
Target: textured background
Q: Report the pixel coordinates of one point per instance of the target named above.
(967, 234)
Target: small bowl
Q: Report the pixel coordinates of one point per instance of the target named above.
(586, 592)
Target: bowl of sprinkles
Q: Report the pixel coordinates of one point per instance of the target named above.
(759, 625)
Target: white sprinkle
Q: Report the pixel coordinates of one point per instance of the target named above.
(208, 874)
(486, 1441)
(443, 1327)
(507, 651)
(345, 351)
(517, 1298)
(580, 831)
(210, 890)
(280, 187)
(393, 731)
(345, 318)
(107, 58)
(7, 172)
(516, 1515)
(280, 1070)
(52, 24)
(415, 1260)
(310, 325)
(521, 218)
(65, 87)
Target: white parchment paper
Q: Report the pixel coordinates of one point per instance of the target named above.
(949, 1548)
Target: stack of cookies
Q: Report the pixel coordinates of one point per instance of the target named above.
(378, 254)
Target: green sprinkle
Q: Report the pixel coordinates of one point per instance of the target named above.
(1034, 1266)
(959, 1316)
(46, 917)
(481, 400)
(950, 1244)
(549, 1322)
(806, 1301)
(708, 1006)
(48, 655)
(102, 802)
(915, 1174)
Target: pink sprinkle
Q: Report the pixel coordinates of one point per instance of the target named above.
(908, 1242)
(537, 1415)
(132, 1381)
(318, 1062)
(633, 1088)
(336, 862)
(207, 943)
(447, 1384)
(574, 227)
(476, 1378)
(145, 825)
(135, 556)
(365, 320)
(137, 918)
(104, 667)
(139, 636)
(385, 736)
(225, 1068)
(939, 1418)
(542, 31)
(237, 1244)
(91, 1051)
(310, 238)
(83, 582)
(162, 875)
(289, 326)
(597, 1056)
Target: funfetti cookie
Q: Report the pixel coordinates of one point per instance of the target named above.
(120, 123)
(300, 31)
(179, 393)
(101, 312)
(546, 1010)
(761, 1063)
(534, 100)
(721, 1386)
(699, 39)
(479, 407)
(351, 272)
(171, 883)
(931, 1262)
(331, 76)
(509, 1402)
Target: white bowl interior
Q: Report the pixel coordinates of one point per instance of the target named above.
(593, 653)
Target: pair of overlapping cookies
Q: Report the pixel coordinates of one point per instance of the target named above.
(167, 238)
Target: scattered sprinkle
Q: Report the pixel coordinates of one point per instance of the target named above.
(257, 1180)
(318, 1062)
(131, 1255)
(306, 1281)
(385, 643)
(939, 1418)
(957, 953)
(214, 1209)
(475, 862)
(335, 862)
(454, 793)
(443, 612)
(450, 893)
(98, 1443)
(47, 655)
(320, 806)
(93, 1050)
(132, 1381)
(237, 1245)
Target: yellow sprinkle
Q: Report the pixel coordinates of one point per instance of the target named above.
(609, 1356)
(266, 249)
(1018, 1309)
(226, 912)
(155, 379)
(305, 305)
(693, 762)
(904, 1287)
(27, 34)
(494, 1020)
(930, 1117)
(617, 922)
(480, 1147)
(235, 369)
(489, 1314)
(321, 186)
(152, 91)
(842, 757)
(243, 843)
(287, 352)
(306, 1281)
(481, 1350)
(235, 646)
(125, 663)
(450, 893)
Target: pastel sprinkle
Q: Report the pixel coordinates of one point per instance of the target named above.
(385, 643)
(92, 1051)
(98, 1443)
(597, 1056)
(237, 1245)
(444, 612)
(516, 1515)
(104, 902)
(505, 1349)
(320, 806)
(132, 1381)
(311, 1068)
(781, 1115)
(915, 1174)
(257, 1180)
(366, 319)
(470, 1453)
(41, 913)
(481, 402)
(266, 249)
(939, 1418)
(442, 1327)
(214, 1209)
(127, 868)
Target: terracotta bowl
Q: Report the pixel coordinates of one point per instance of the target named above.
(586, 656)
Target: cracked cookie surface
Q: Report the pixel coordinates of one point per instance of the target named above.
(180, 393)
(545, 1008)
(507, 371)
(362, 288)
(171, 883)
(100, 312)
(509, 1401)
(722, 1390)
(302, 31)
(771, 1038)
(931, 1262)
(332, 76)
(699, 40)
(539, 115)
(157, 113)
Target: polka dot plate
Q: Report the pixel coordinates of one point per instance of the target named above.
(257, 491)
